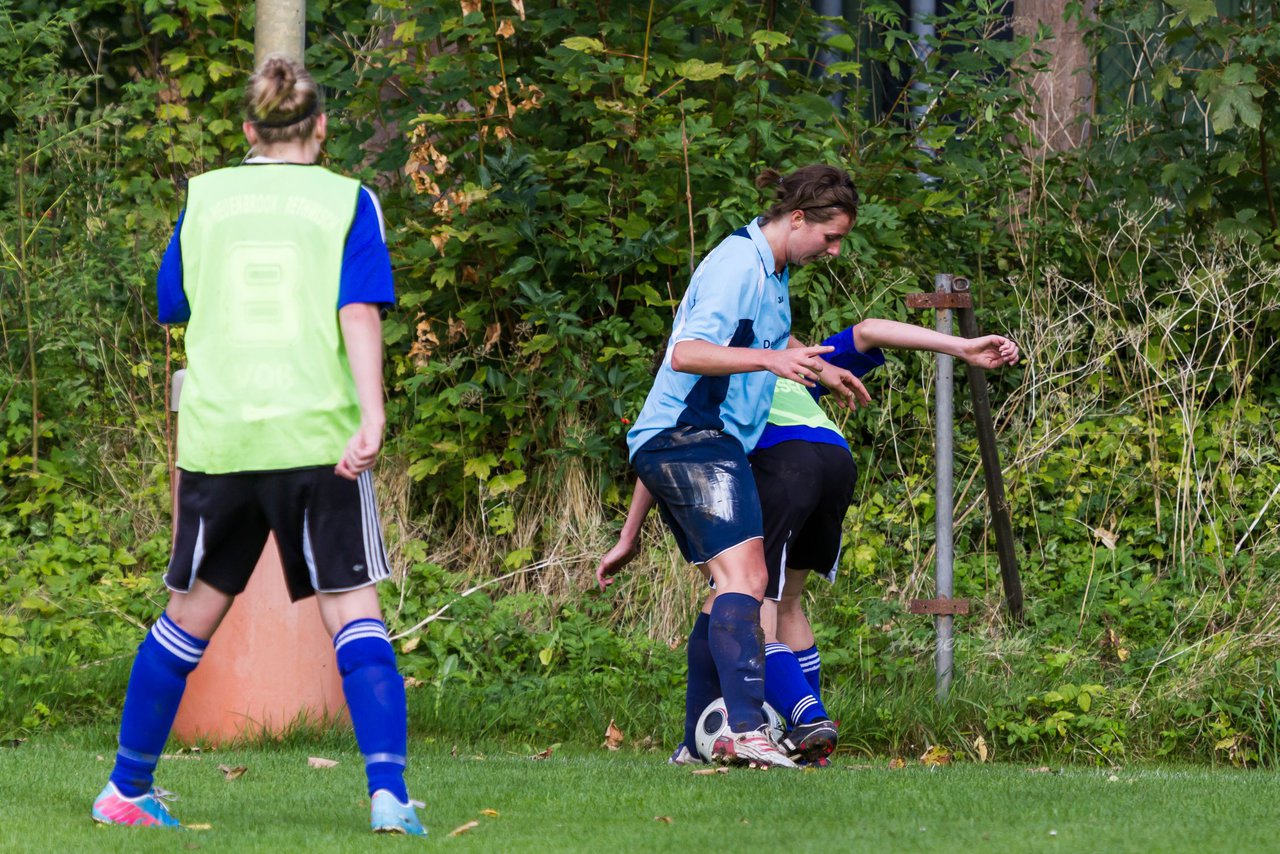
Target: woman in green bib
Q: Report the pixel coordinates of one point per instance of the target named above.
(280, 270)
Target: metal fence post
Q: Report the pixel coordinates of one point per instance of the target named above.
(944, 461)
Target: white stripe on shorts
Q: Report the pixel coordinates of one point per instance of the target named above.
(375, 552)
(308, 553)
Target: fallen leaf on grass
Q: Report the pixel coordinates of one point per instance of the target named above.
(490, 813)
(101, 758)
(180, 756)
(320, 762)
(458, 831)
(454, 751)
(546, 754)
(980, 745)
(229, 773)
(897, 763)
(665, 819)
(721, 769)
(1043, 769)
(936, 755)
(198, 826)
(612, 736)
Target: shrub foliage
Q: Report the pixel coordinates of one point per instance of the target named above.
(550, 175)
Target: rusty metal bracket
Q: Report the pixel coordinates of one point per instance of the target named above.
(939, 300)
(942, 607)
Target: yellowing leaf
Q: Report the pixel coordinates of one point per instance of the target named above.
(696, 69)
(897, 763)
(458, 831)
(506, 29)
(490, 813)
(936, 755)
(980, 745)
(229, 773)
(544, 655)
(707, 772)
(469, 6)
(612, 736)
(198, 826)
(1107, 538)
(518, 5)
(321, 762)
(583, 44)
(411, 644)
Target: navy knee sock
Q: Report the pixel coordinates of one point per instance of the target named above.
(811, 664)
(704, 683)
(156, 683)
(375, 697)
(737, 645)
(787, 689)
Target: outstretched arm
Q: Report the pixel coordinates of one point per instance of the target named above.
(629, 540)
(362, 335)
(847, 388)
(988, 352)
(695, 356)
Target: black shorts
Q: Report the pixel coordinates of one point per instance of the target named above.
(326, 527)
(805, 489)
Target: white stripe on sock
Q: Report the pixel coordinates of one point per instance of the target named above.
(166, 633)
(361, 631)
(802, 706)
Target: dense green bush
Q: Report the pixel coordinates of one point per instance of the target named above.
(549, 175)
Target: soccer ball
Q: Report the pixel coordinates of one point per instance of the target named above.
(714, 722)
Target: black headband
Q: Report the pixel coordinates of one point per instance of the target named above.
(284, 123)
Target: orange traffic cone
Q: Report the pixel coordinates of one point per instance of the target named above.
(269, 666)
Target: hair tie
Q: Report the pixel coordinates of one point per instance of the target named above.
(284, 123)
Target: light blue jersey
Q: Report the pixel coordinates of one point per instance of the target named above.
(735, 299)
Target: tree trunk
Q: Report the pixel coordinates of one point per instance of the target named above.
(1062, 94)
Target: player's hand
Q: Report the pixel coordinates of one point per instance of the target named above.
(614, 560)
(361, 451)
(802, 364)
(990, 352)
(846, 387)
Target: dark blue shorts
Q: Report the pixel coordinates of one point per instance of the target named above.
(704, 489)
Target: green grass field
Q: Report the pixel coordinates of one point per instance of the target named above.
(582, 799)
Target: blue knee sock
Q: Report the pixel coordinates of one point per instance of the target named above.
(787, 689)
(737, 645)
(704, 682)
(811, 664)
(375, 697)
(159, 676)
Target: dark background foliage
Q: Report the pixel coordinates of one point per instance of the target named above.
(549, 174)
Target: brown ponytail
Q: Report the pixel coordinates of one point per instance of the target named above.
(282, 100)
(818, 190)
